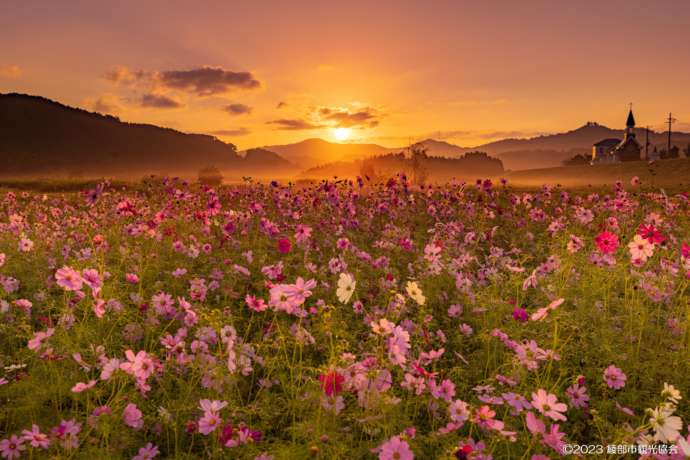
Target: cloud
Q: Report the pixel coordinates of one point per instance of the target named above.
(122, 75)
(238, 109)
(105, 103)
(231, 132)
(159, 101)
(345, 118)
(202, 81)
(294, 124)
(11, 71)
(206, 81)
(509, 134)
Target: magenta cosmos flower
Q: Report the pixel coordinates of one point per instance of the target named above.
(614, 377)
(284, 245)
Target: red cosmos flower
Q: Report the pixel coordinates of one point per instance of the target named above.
(464, 452)
(226, 433)
(607, 242)
(284, 245)
(332, 383)
(651, 234)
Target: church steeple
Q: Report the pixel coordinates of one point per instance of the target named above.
(631, 120)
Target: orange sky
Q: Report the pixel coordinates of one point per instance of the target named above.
(261, 73)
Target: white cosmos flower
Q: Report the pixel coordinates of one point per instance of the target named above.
(671, 393)
(346, 287)
(415, 293)
(666, 426)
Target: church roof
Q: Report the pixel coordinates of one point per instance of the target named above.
(628, 140)
(610, 142)
(631, 120)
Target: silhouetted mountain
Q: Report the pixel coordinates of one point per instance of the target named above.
(313, 152)
(441, 148)
(550, 150)
(40, 136)
(262, 160)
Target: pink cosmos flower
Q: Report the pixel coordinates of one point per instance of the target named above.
(395, 449)
(148, 452)
(208, 405)
(67, 433)
(578, 396)
(12, 447)
(607, 242)
(92, 278)
(80, 386)
(25, 245)
(132, 417)
(542, 312)
(38, 338)
(69, 279)
(35, 438)
(209, 422)
(548, 405)
(140, 365)
(614, 377)
(534, 425)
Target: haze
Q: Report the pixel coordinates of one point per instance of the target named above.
(263, 73)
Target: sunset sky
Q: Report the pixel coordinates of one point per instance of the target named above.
(261, 73)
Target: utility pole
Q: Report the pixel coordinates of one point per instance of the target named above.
(670, 121)
(646, 144)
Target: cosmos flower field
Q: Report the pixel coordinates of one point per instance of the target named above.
(344, 320)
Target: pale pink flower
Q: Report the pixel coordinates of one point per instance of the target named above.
(395, 449)
(548, 405)
(132, 417)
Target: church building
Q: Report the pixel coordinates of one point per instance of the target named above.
(615, 150)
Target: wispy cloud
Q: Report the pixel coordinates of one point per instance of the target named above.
(231, 132)
(11, 71)
(294, 124)
(237, 109)
(159, 101)
(344, 117)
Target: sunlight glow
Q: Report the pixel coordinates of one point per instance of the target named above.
(341, 134)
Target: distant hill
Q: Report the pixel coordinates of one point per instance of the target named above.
(40, 136)
(543, 151)
(550, 150)
(263, 160)
(470, 166)
(442, 148)
(313, 152)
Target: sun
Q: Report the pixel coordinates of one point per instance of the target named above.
(341, 134)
